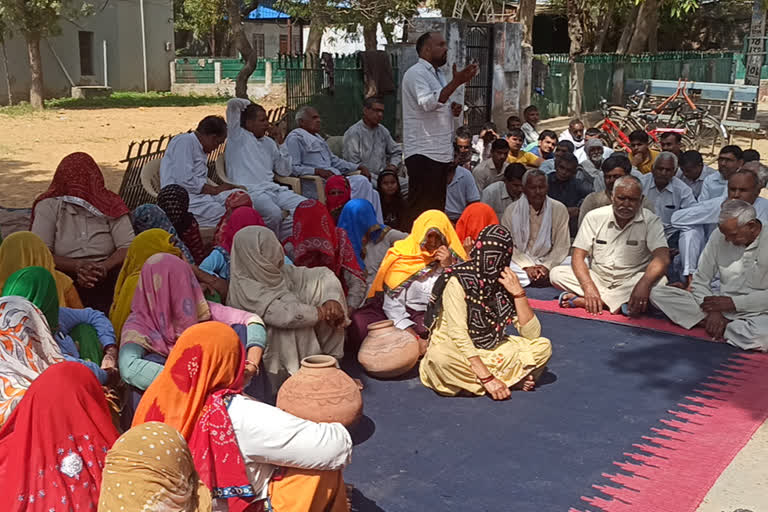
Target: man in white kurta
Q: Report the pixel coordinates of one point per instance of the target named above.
(728, 162)
(311, 156)
(738, 312)
(253, 159)
(185, 163)
(539, 228)
(693, 172)
(627, 252)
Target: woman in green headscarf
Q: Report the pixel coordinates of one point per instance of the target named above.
(84, 335)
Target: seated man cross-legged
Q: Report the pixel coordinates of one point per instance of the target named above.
(738, 252)
(628, 256)
(539, 227)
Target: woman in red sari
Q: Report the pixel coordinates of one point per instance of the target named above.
(317, 242)
(53, 446)
(337, 193)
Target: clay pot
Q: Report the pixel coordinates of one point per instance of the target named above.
(321, 392)
(387, 351)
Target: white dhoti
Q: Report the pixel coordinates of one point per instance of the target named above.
(613, 293)
(208, 209)
(360, 188)
(276, 205)
(748, 331)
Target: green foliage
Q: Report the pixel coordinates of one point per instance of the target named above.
(354, 12)
(128, 99)
(41, 17)
(202, 17)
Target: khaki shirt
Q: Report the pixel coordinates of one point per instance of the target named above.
(72, 231)
(600, 198)
(617, 254)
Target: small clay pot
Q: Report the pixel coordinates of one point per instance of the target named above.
(387, 351)
(321, 392)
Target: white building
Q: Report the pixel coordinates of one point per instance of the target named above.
(80, 50)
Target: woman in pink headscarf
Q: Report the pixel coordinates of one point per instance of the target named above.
(217, 263)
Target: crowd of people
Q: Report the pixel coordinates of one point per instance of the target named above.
(134, 344)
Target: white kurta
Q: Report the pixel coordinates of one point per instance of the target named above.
(253, 163)
(743, 277)
(697, 184)
(415, 296)
(713, 186)
(186, 164)
(270, 438)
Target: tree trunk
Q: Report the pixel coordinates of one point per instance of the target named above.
(315, 37)
(369, 36)
(243, 46)
(7, 72)
(213, 40)
(602, 34)
(629, 27)
(653, 40)
(35, 70)
(525, 13)
(646, 23)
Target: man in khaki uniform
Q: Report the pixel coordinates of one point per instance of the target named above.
(628, 252)
(738, 312)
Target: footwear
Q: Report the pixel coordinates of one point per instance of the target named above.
(570, 302)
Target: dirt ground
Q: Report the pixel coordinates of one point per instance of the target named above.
(33, 145)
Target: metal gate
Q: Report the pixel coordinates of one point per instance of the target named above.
(478, 93)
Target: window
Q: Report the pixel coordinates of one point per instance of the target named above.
(258, 45)
(296, 44)
(86, 52)
(284, 44)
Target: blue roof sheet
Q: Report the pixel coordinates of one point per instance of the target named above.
(265, 13)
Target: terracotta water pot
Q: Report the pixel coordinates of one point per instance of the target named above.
(387, 351)
(321, 392)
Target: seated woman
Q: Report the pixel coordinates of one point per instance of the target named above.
(174, 201)
(25, 249)
(169, 299)
(53, 446)
(476, 216)
(26, 349)
(393, 205)
(406, 277)
(217, 263)
(317, 242)
(369, 239)
(151, 216)
(337, 193)
(235, 200)
(159, 473)
(239, 443)
(478, 357)
(304, 309)
(86, 227)
(90, 328)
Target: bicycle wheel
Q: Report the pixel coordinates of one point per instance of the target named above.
(707, 133)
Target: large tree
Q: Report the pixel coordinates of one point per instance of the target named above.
(204, 18)
(36, 20)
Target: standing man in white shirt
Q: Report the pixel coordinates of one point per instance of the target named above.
(253, 158)
(428, 124)
(185, 163)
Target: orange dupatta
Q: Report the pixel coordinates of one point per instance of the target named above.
(207, 357)
(407, 257)
(475, 217)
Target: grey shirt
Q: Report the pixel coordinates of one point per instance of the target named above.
(372, 147)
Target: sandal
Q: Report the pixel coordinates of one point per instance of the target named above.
(570, 302)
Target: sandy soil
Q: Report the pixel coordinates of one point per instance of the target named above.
(33, 145)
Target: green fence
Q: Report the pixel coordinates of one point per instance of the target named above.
(335, 87)
(550, 89)
(201, 70)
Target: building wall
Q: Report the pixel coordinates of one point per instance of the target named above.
(272, 32)
(118, 23)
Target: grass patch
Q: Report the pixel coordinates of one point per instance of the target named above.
(126, 99)
(22, 109)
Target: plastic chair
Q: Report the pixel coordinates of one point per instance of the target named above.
(150, 177)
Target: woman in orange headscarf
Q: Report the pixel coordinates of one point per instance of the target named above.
(238, 443)
(475, 217)
(406, 276)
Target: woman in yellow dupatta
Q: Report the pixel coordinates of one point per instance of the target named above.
(147, 244)
(406, 276)
(25, 249)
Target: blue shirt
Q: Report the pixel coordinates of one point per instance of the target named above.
(71, 318)
(536, 150)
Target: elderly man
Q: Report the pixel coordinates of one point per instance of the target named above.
(566, 188)
(693, 172)
(428, 124)
(185, 163)
(501, 194)
(253, 158)
(531, 115)
(762, 174)
(738, 253)
(311, 155)
(492, 170)
(369, 143)
(667, 192)
(729, 161)
(590, 165)
(642, 155)
(591, 133)
(698, 222)
(539, 228)
(628, 256)
(574, 133)
(614, 167)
